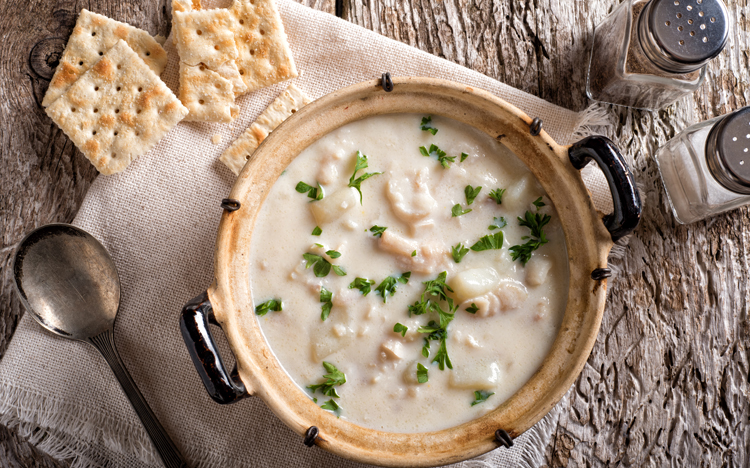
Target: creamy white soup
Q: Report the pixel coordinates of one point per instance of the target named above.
(426, 301)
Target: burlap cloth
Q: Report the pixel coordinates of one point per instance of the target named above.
(158, 220)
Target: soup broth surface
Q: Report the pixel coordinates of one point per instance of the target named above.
(503, 315)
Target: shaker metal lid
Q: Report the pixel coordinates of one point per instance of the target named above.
(689, 32)
(728, 151)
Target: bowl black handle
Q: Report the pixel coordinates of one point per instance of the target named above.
(224, 387)
(625, 197)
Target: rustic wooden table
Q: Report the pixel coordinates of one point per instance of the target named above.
(668, 380)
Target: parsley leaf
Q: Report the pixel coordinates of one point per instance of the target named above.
(464, 156)
(321, 266)
(377, 231)
(427, 126)
(338, 270)
(489, 242)
(333, 378)
(459, 252)
(472, 309)
(538, 203)
(441, 156)
(456, 211)
(326, 298)
(414, 254)
(312, 192)
(317, 231)
(439, 332)
(356, 183)
(400, 328)
(434, 292)
(363, 284)
(497, 195)
(271, 304)
(331, 405)
(535, 222)
(333, 253)
(388, 285)
(471, 193)
(426, 348)
(498, 223)
(480, 396)
(421, 373)
(434, 288)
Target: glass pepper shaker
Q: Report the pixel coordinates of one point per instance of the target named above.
(649, 53)
(706, 168)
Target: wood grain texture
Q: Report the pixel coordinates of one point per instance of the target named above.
(43, 176)
(667, 382)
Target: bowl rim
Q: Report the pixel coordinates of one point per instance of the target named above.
(587, 240)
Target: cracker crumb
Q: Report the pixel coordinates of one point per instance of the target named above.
(216, 139)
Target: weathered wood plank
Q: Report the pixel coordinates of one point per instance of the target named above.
(43, 176)
(667, 382)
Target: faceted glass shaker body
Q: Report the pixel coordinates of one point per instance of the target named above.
(620, 72)
(693, 192)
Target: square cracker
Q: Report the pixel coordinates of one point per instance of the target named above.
(185, 5)
(264, 54)
(288, 102)
(205, 37)
(208, 96)
(118, 110)
(92, 37)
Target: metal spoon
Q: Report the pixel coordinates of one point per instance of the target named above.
(69, 284)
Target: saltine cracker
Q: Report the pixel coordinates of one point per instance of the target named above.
(118, 110)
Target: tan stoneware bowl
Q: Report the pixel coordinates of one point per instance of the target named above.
(589, 237)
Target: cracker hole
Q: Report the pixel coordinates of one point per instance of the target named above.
(96, 88)
(119, 67)
(93, 33)
(138, 111)
(218, 85)
(252, 52)
(117, 111)
(118, 88)
(101, 53)
(242, 72)
(72, 109)
(201, 68)
(137, 133)
(114, 155)
(216, 47)
(148, 54)
(140, 89)
(94, 132)
(199, 32)
(96, 110)
(200, 101)
(262, 32)
(294, 110)
(80, 63)
(242, 21)
(115, 133)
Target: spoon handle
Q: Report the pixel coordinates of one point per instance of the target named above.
(170, 456)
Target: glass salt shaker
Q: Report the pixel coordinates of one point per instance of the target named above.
(649, 53)
(706, 168)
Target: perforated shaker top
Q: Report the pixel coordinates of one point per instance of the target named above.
(689, 31)
(728, 151)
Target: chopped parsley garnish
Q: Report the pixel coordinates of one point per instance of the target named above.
(326, 298)
(433, 289)
(480, 396)
(331, 405)
(333, 378)
(377, 231)
(363, 284)
(427, 126)
(459, 252)
(356, 183)
(271, 304)
(463, 156)
(400, 328)
(317, 231)
(333, 253)
(535, 222)
(538, 203)
(441, 156)
(497, 195)
(457, 211)
(471, 193)
(414, 254)
(321, 266)
(421, 373)
(498, 223)
(312, 192)
(439, 332)
(388, 285)
(472, 309)
(489, 242)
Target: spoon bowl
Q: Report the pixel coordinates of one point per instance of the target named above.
(68, 282)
